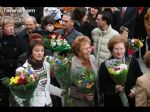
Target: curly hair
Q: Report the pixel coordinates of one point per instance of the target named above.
(80, 40)
(147, 59)
(115, 40)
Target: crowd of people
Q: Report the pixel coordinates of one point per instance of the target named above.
(96, 35)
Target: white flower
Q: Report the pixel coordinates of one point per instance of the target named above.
(53, 43)
(59, 37)
(65, 42)
(53, 36)
(123, 66)
(132, 40)
(19, 69)
(59, 42)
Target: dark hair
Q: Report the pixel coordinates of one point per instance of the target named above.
(77, 43)
(98, 8)
(32, 45)
(79, 13)
(115, 40)
(147, 59)
(70, 14)
(34, 36)
(107, 16)
(47, 20)
(123, 28)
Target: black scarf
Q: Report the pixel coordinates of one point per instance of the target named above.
(35, 64)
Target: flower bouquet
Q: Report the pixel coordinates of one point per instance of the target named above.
(118, 72)
(84, 79)
(134, 45)
(56, 42)
(61, 67)
(22, 84)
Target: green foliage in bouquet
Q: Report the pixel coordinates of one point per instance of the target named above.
(61, 66)
(22, 84)
(118, 72)
(85, 80)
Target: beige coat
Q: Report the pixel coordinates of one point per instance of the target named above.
(101, 39)
(142, 97)
(147, 22)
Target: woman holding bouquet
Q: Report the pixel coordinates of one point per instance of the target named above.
(41, 71)
(82, 59)
(10, 49)
(109, 86)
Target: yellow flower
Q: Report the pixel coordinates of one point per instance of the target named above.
(79, 81)
(140, 44)
(14, 80)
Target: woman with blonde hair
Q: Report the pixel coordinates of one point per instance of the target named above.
(9, 52)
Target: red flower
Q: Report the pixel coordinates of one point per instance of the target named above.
(21, 81)
(130, 51)
(52, 74)
(50, 36)
(57, 34)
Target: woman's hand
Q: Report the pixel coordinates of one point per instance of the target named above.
(64, 91)
(118, 88)
(88, 97)
(132, 93)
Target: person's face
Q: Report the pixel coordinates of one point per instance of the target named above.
(85, 51)
(118, 50)
(9, 29)
(30, 25)
(49, 27)
(67, 23)
(93, 11)
(125, 34)
(100, 22)
(38, 52)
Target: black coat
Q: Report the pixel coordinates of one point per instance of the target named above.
(9, 52)
(116, 20)
(140, 30)
(85, 28)
(128, 20)
(107, 85)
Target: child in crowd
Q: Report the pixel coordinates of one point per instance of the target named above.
(124, 32)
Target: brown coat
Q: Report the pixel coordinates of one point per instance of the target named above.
(147, 22)
(142, 97)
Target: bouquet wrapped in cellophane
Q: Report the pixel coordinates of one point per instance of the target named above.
(23, 84)
(61, 67)
(118, 72)
(85, 80)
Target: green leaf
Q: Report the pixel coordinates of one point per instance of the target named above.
(5, 81)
